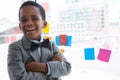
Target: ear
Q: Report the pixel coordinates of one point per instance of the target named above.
(45, 24)
(20, 27)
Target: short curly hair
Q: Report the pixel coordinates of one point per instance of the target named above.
(33, 3)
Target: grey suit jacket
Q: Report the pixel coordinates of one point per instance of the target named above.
(19, 53)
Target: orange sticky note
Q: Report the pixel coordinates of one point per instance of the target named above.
(48, 37)
(62, 51)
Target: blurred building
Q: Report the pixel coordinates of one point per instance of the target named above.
(82, 22)
(81, 19)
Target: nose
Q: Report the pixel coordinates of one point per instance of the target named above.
(29, 22)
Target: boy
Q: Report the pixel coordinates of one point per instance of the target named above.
(32, 57)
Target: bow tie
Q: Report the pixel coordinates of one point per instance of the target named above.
(35, 46)
(45, 43)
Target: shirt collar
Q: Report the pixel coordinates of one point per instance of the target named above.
(36, 41)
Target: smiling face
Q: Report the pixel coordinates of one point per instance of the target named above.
(31, 22)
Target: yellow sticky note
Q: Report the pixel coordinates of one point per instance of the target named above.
(46, 29)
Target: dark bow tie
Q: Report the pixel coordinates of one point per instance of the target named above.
(45, 43)
(35, 46)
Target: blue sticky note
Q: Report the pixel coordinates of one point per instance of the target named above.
(89, 54)
(69, 40)
(57, 40)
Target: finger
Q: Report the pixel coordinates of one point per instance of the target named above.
(61, 59)
(56, 55)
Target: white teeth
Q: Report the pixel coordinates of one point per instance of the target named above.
(30, 29)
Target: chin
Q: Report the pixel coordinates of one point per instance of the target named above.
(35, 37)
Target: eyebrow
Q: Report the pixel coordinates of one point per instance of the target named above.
(32, 16)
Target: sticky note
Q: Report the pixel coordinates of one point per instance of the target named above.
(63, 39)
(104, 55)
(89, 54)
(57, 40)
(62, 50)
(68, 42)
(46, 29)
(48, 37)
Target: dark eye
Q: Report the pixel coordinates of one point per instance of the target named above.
(23, 20)
(35, 18)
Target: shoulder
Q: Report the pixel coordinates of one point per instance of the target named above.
(15, 44)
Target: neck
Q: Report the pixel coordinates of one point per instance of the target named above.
(37, 39)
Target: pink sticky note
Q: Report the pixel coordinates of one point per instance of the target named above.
(104, 55)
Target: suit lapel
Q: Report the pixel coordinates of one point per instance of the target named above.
(45, 53)
(27, 45)
(35, 55)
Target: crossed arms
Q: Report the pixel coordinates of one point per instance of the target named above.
(41, 67)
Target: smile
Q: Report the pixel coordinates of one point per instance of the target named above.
(31, 29)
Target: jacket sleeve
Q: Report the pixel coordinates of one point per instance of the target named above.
(57, 68)
(15, 65)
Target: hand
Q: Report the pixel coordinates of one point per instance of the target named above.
(31, 66)
(36, 67)
(57, 57)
